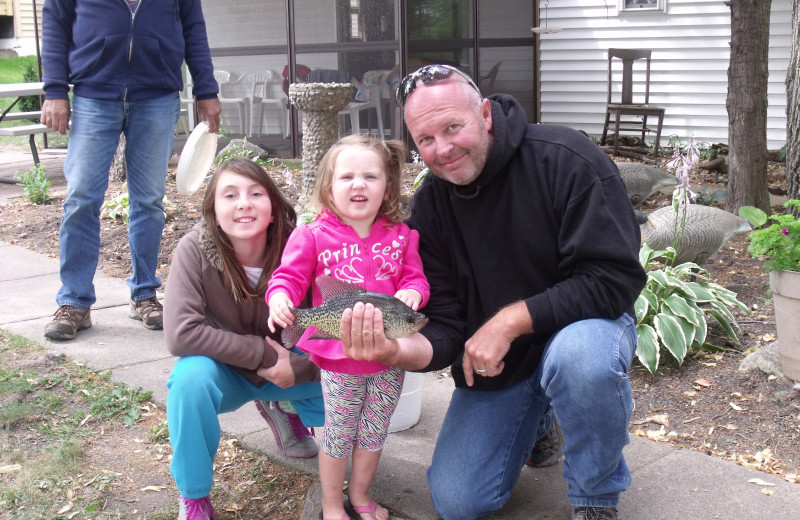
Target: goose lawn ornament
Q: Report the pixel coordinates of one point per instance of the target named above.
(642, 180)
(707, 229)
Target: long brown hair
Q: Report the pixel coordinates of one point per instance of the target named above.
(283, 223)
(393, 154)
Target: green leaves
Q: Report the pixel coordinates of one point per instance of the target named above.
(778, 243)
(118, 207)
(35, 184)
(671, 309)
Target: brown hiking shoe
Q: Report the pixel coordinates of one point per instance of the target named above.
(67, 321)
(547, 450)
(149, 311)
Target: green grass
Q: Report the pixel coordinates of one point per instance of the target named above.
(12, 70)
(48, 431)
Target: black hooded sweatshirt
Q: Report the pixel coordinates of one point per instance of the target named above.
(547, 221)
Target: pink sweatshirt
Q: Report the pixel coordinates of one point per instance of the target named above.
(386, 261)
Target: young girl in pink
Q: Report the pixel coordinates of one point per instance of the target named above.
(357, 238)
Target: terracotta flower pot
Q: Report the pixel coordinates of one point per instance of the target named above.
(786, 299)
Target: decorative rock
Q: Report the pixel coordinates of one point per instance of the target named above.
(706, 230)
(765, 359)
(320, 103)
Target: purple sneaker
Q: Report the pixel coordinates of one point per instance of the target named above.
(195, 509)
(292, 438)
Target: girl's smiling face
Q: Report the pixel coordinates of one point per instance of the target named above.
(359, 187)
(242, 208)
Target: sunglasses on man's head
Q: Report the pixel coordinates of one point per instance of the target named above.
(427, 75)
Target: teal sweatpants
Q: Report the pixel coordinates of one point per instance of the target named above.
(199, 390)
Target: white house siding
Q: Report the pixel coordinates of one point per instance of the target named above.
(24, 40)
(689, 71)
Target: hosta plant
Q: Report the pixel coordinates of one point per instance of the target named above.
(672, 308)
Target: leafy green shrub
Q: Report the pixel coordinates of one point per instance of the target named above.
(778, 243)
(29, 103)
(671, 310)
(34, 184)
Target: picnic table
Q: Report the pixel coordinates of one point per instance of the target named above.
(19, 90)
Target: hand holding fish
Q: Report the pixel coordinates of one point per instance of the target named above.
(280, 311)
(281, 372)
(485, 350)
(363, 336)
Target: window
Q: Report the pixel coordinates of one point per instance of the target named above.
(641, 5)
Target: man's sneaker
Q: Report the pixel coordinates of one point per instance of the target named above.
(292, 438)
(547, 450)
(195, 509)
(67, 321)
(594, 513)
(149, 311)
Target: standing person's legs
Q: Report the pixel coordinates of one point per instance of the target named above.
(482, 446)
(94, 134)
(585, 374)
(149, 132)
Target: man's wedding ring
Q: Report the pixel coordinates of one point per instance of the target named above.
(480, 370)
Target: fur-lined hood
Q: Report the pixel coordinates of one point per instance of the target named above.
(207, 245)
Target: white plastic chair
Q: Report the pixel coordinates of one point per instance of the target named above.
(264, 88)
(223, 78)
(372, 101)
(186, 119)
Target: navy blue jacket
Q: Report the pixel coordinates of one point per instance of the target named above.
(108, 52)
(548, 222)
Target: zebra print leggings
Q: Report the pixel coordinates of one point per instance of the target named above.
(358, 409)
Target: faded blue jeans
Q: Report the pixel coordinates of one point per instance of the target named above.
(199, 390)
(487, 435)
(149, 128)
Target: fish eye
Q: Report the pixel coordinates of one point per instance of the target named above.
(410, 319)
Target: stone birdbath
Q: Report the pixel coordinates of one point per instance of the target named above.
(320, 104)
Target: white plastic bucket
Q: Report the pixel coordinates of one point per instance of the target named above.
(409, 407)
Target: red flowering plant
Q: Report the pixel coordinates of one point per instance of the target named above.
(778, 243)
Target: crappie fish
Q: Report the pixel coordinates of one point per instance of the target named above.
(399, 319)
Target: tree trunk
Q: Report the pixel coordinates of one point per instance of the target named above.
(793, 109)
(747, 105)
(118, 172)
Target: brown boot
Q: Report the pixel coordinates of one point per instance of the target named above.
(67, 321)
(149, 311)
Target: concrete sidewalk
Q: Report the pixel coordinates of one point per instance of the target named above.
(668, 483)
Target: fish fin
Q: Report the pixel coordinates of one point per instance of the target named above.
(292, 334)
(318, 334)
(330, 286)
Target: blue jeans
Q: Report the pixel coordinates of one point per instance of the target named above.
(149, 128)
(199, 390)
(487, 435)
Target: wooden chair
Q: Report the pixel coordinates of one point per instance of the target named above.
(625, 105)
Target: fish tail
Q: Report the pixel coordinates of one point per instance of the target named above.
(291, 334)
